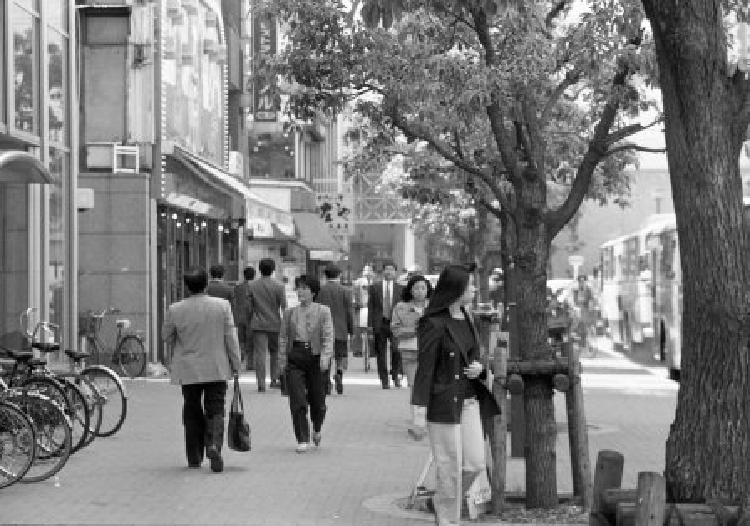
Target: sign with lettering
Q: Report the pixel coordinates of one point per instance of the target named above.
(264, 45)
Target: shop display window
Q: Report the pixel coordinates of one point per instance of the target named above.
(24, 23)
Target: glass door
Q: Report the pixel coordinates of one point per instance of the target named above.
(14, 259)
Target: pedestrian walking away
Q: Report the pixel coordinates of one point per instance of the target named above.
(202, 337)
(242, 309)
(306, 349)
(448, 389)
(382, 295)
(267, 302)
(217, 287)
(339, 300)
(406, 314)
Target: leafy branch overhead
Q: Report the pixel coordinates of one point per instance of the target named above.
(508, 93)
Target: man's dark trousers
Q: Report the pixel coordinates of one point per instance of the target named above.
(203, 420)
(382, 336)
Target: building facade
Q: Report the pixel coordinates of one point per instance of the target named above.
(38, 157)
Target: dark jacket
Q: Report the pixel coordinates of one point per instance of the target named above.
(375, 303)
(339, 299)
(241, 306)
(220, 289)
(267, 301)
(441, 362)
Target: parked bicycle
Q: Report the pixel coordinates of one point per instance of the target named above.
(128, 353)
(102, 388)
(17, 443)
(53, 437)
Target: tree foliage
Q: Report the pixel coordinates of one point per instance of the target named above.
(526, 108)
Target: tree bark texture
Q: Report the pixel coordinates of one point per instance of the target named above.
(531, 256)
(708, 449)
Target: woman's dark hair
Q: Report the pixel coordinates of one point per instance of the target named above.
(450, 287)
(196, 279)
(406, 295)
(311, 282)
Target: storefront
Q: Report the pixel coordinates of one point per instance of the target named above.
(37, 158)
(314, 234)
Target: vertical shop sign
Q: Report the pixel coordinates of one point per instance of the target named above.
(264, 45)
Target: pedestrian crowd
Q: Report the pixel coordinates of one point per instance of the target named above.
(219, 330)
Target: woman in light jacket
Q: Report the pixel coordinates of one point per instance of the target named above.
(448, 386)
(305, 351)
(404, 318)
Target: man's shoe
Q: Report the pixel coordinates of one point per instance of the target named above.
(194, 465)
(217, 463)
(386, 386)
(329, 385)
(261, 388)
(275, 384)
(340, 383)
(357, 354)
(397, 382)
(302, 447)
(317, 438)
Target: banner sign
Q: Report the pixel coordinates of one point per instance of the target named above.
(264, 45)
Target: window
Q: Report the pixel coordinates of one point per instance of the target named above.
(57, 46)
(3, 98)
(24, 22)
(60, 170)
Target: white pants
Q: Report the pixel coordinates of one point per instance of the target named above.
(458, 452)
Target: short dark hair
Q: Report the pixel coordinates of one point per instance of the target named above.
(406, 295)
(217, 271)
(249, 273)
(390, 264)
(332, 272)
(311, 282)
(196, 279)
(266, 266)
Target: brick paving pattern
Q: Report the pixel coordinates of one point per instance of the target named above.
(140, 476)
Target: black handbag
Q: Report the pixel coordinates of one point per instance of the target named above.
(238, 430)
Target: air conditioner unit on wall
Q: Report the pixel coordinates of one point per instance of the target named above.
(174, 8)
(191, 6)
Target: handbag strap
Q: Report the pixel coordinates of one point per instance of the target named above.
(237, 404)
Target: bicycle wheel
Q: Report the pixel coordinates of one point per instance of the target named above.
(49, 387)
(130, 356)
(80, 417)
(114, 396)
(17, 443)
(52, 428)
(94, 402)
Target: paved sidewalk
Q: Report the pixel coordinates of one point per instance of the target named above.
(365, 462)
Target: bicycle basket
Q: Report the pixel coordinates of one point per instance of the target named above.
(86, 324)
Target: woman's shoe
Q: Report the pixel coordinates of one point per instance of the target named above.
(302, 447)
(317, 438)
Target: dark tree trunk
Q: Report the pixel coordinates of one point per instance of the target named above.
(531, 257)
(708, 449)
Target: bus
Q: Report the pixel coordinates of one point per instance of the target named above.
(641, 290)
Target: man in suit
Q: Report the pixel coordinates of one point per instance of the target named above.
(267, 302)
(339, 300)
(217, 287)
(382, 296)
(242, 314)
(201, 335)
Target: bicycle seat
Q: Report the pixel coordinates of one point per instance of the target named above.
(46, 347)
(123, 324)
(19, 356)
(76, 355)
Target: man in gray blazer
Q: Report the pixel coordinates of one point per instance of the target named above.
(267, 302)
(200, 332)
(339, 300)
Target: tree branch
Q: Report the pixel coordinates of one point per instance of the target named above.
(627, 131)
(556, 10)
(571, 79)
(633, 147)
(494, 113)
(419, 132)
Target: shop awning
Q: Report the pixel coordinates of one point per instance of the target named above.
(315, 235)
(22, 167)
